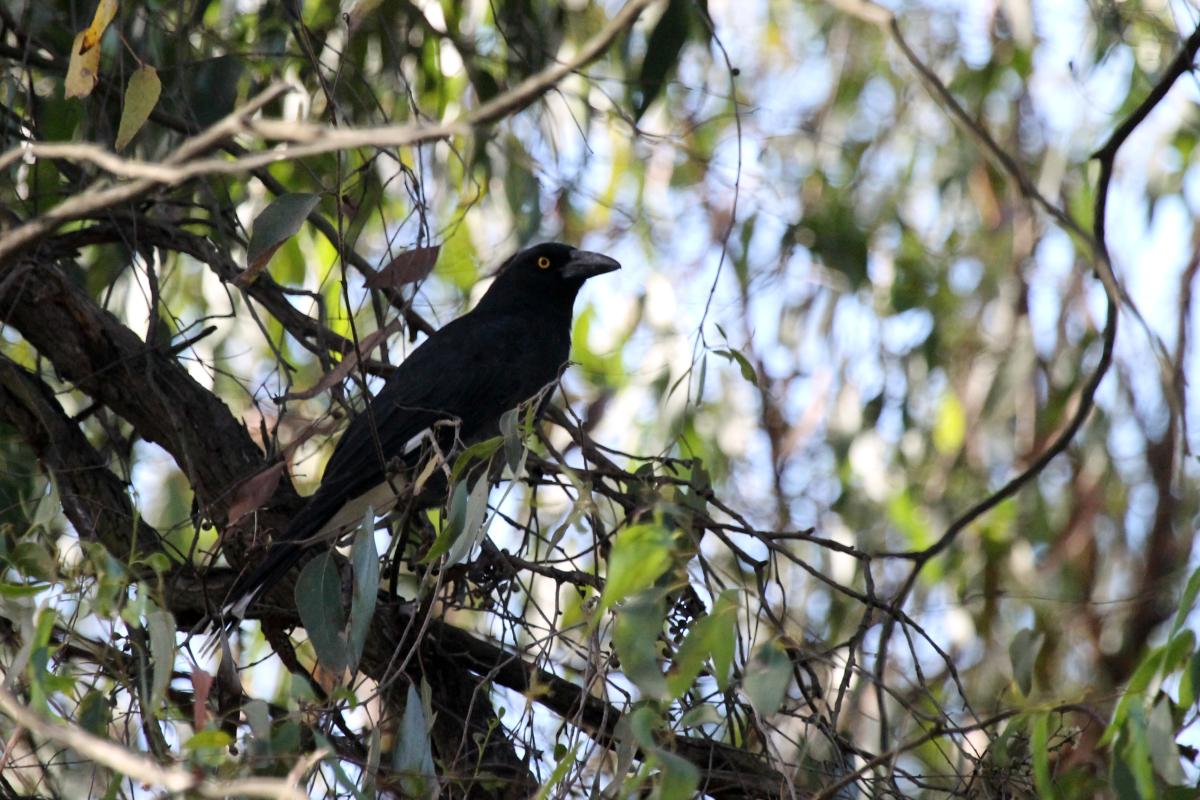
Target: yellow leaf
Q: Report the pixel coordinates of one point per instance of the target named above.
(950, 426)
(140, 96)
(83, 71)
(105, 11)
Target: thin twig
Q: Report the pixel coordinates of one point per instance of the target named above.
(145, 770)
(305, 140)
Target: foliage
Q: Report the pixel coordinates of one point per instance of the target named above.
(764, 542)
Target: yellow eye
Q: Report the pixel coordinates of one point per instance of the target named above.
(543, 262)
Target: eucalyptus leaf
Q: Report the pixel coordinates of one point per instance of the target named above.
(1023, 651)
(473, 527)
(640, 555)
(319, 601)
(161, 627)
(453, 524)
(767, 676)
(635, 636)
(277, 223)
(413, 754)
(364, 556)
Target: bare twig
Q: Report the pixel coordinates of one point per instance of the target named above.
(145, 770)
(304, 139)
(1114, 292)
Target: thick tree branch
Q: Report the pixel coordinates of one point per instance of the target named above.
(726, 771)
(92, 349)
(93, 498)
(310, 333)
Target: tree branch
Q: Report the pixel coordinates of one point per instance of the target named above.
(92, 349)
(173, 779)
(93, 498)
(305, 140)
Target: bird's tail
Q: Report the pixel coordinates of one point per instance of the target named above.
(248, 587)
(281, 556)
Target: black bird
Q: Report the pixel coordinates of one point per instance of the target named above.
(454, 387)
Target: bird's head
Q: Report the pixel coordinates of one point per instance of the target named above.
(545, 271)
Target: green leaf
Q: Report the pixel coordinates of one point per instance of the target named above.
(522, 190)
(210, 739)
(640, 555)
(453, 523)
(161, 627)
(364, 557)
(413, 757)
(258, 717)
(15, 591)
(565, 762)
(480, 451)
(635, 635)
(712, 635)
(767, 677)
(39, 660)
(277, 223)
(950, 425)
(1189, 683)
(285, 739)
(1123, 781)
(1039, 746)
(1160, 734)
(724, 639)
(319, 601)
(1186, 602)
(747, 369)
(458, 262)
(94, 713)
(33, 560)
(514, 444)
(1177, 651)
(1134, 694)
(141, 95)
(473, 527)
(211, 88)
(703, 714)
(1137, 753)
(1023, 652)
(662, 54)
(678, 778)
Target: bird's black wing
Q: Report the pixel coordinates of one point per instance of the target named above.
(470, 372)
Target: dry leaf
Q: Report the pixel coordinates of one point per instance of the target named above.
(141, 95)
(201, 685)
(408, 267)
(254, 492)
(105, 11)
(84, 70)
(338, 373)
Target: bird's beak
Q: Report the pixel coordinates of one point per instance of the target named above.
(584, 265)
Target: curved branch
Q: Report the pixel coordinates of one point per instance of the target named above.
(93, 498)
(173, 779)
(305, 140)
(92, 349)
